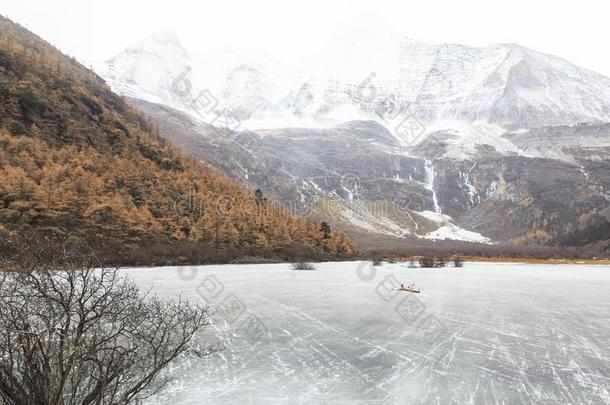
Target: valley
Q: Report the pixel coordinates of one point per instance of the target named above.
(296, 203)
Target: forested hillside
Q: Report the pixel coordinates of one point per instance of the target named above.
(77, 161)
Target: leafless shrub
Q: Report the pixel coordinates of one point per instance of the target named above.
(427, 261)
(458, 262)
(303, 266)
(432, 261)
(377, 262)
(73, 331)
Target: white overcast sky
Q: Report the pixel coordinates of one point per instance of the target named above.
(97, 30)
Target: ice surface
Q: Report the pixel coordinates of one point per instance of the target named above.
(484, 333)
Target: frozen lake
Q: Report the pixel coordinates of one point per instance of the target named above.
(484, 333)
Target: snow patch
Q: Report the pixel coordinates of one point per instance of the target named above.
(448, 230)
(454, 232)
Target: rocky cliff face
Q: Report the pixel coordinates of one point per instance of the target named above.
(360, 175)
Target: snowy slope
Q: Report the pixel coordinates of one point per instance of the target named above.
(158, 69)
(504, 84)
(149, 69)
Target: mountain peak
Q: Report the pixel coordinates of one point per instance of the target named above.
(163, 44)
(503, 84)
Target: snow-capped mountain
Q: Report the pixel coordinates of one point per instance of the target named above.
(158, 69)
(150, 70)
(359, 73)
(482, 143)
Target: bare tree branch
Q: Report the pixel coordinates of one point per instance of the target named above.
(73, 331)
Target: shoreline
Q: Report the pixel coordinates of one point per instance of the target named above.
(483, 259)
(466, 259)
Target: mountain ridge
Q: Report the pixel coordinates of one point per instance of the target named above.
(370, 187)
(491, 84)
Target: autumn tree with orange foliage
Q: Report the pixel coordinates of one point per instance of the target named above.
(74, 157)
